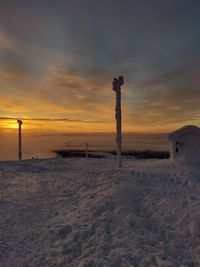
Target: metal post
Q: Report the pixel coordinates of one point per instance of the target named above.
(20, 140)
(86, 150)
(118, 116)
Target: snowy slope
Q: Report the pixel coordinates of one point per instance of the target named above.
(78, 212)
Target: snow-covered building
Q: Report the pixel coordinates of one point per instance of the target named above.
(185, 144)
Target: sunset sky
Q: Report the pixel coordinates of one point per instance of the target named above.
(58, 59)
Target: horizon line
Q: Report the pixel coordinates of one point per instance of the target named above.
(92, 132)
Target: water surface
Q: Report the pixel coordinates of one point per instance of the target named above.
(41, 145)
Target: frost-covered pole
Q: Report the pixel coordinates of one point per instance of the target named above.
(20, 140)
(117, 83)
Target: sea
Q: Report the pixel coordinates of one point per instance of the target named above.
(43, 145)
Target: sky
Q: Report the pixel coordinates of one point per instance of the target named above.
(58, 60)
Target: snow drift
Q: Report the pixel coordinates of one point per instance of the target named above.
(72, 212)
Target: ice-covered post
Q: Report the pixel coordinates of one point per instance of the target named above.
(20, 140)
(117, 83)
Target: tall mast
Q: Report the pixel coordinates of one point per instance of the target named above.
(117, 83)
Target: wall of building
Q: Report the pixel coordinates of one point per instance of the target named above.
(186, 148)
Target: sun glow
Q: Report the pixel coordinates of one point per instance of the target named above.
(9, 124)
(13, 125)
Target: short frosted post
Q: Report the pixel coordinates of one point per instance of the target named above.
(86, 150)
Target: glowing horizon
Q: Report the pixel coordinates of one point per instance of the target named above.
(61, 126)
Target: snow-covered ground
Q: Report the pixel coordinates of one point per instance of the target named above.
(78, 212)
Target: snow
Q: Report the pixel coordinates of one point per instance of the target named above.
(87, 212)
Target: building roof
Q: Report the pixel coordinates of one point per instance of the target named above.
(184, 130)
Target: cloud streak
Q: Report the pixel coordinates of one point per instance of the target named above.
(47, 120)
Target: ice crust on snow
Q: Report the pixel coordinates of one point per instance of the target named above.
(78, 212)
